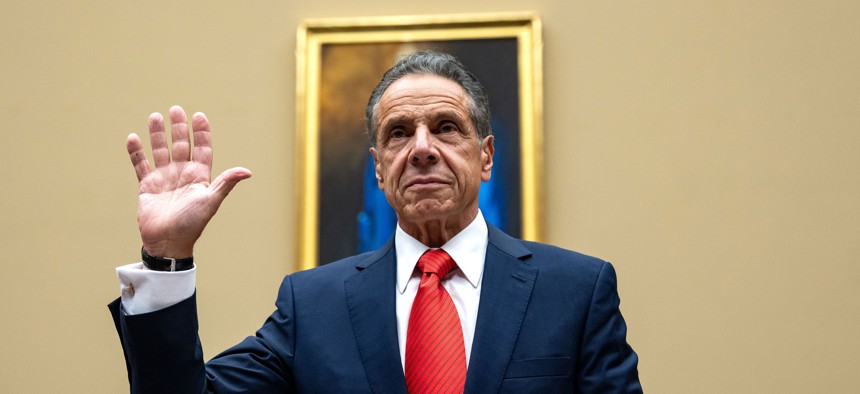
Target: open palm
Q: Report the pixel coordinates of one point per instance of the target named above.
(176, 199)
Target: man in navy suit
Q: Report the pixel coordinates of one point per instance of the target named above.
(532, 317)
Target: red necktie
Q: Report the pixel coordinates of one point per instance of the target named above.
(435, 353)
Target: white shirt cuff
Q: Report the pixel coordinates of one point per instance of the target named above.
(144, 291)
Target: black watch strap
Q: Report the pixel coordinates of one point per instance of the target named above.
(166, 263)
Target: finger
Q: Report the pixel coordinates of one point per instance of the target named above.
(158, 139)
(138, 158)
(179, 134)
(224, 183)
(202, 140)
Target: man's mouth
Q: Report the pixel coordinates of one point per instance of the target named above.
(425, 182)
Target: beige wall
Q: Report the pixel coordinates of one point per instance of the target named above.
(711, 150)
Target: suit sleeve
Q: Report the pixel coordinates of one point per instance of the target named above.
(163, 352)
(608, 363)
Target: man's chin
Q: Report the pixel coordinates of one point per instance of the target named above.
(425, 210)
(434, 211)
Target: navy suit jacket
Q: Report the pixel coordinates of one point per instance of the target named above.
(548, 321)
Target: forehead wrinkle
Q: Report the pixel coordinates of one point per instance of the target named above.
(437, 91)
(421, 105)
(419, 99)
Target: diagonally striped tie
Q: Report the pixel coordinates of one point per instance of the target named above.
(435, 353)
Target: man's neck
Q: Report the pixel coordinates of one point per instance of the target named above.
(435, 233)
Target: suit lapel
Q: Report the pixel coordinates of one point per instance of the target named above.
(505, 291)
(370, 299)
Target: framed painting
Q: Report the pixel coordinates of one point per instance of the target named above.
(339, 61)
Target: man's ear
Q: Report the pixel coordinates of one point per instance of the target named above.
(487, 151)
(377, 168)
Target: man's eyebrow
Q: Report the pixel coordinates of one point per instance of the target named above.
(448, 114)
(393, 120)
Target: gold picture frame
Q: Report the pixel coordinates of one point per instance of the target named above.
(340, 60)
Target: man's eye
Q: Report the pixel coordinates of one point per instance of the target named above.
(448, 128)
(397, 133)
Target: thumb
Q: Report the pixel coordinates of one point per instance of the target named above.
(224, 183)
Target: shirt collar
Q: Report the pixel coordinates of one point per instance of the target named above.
(468, 248)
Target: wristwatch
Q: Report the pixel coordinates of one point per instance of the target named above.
(166, 263)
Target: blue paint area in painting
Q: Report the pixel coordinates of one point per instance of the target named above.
(377, 220)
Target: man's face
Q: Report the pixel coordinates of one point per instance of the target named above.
(428, 159)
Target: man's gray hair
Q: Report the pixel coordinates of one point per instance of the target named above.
(442, 65)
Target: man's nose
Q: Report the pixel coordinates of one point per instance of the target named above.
(424, 149)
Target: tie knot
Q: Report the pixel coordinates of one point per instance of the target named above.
(436, 261)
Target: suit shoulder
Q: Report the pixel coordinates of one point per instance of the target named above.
(322, 282)
(339, 269)
(543, 255)
(553, 257)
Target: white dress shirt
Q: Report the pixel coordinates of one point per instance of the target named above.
(144, 290)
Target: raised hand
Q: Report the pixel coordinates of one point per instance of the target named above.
(176, 198)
